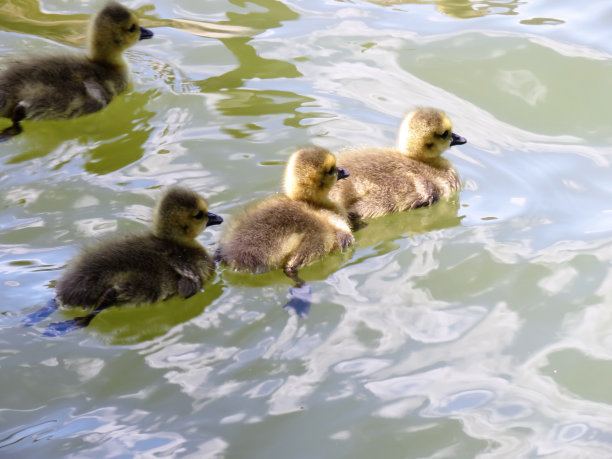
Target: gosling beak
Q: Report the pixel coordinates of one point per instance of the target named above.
(145, 33)
(342, 173)
(457, 139)
(213, 219)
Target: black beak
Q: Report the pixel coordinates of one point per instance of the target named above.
(342, 173)
(213, 219)
(457, 140)
(145, 33)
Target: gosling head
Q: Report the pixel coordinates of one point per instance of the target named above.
(426, 133)
(181, 215)
(310, 174)
(114, 29)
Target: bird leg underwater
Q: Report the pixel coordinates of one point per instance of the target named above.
(62, 328)
(19, 113)
(300, 295)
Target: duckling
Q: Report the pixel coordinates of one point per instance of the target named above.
(293, 229)
(61, 87)
(143, 268)
(388, 180)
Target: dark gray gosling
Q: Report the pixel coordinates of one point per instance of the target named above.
(67, 86)
(143, 268)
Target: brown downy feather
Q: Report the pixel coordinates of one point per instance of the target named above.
(145, 268)
(388, 180)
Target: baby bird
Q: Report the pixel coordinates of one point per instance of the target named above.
(60, 87)
(145, 268)
(388, 180)
(291, 230)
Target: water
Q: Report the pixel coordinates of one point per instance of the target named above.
(477, 328)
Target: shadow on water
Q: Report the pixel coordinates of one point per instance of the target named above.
(382, 234)
(461, 9)
(127, 324)
(94, 136)
(443, 214)
(299, 296)
(143, 323)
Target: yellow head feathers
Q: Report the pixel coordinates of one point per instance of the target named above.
(426, 133)
(310, 174)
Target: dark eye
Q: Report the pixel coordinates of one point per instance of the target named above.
(429, 145)
(444, 134)
(132, 29)
(199, 215)
(332, 170)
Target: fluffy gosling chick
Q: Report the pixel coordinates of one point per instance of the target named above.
(290, 230)
(60, 87)
(145, 268)
(388, 180)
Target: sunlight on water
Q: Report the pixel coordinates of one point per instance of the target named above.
(479, 327)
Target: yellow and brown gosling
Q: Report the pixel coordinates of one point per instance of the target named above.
(293, 229)
(64, 86)
(388, 180)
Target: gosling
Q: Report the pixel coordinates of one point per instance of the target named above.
(145, 268)
(61, 87)
(388, 180)
(293, 229)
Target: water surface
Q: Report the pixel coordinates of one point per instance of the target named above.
(477, 328)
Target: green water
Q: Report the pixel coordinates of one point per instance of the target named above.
(481, 327)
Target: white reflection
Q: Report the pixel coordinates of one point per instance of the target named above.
(401, 408)
(85, 368)
(108, 433)
(558, 280)
(92, 227)
(523, 84)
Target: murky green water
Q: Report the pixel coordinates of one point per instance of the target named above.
(481, 327)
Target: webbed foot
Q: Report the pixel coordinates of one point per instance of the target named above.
(62, 328)
(300, 300)
(37, 316)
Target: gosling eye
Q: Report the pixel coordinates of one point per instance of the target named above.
(445, 134)
(332, 170)
(429, 145)
(199, 215)
(132, 29)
